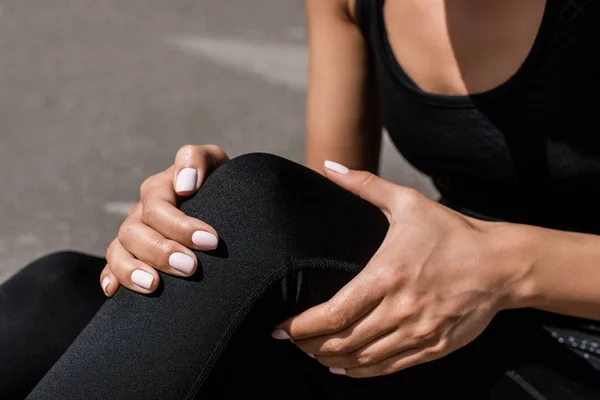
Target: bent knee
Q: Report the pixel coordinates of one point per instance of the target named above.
(251, 182)
(256, 171)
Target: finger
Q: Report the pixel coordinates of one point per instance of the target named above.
(372, 326)
(159, 212)
(130, 272)
(364, 184)
(377, 350)
(351, 303)
(193, 164)
(108, 282)
(152, 248)
(395, 363)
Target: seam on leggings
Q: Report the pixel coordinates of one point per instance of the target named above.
(526, 386)
(277, 274)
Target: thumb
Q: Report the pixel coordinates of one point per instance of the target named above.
(368, 186)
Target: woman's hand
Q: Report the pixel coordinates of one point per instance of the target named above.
(433, 286)
(157, 235)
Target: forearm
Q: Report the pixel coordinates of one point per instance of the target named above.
(559, 271)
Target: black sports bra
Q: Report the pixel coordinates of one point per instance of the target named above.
(527, 151)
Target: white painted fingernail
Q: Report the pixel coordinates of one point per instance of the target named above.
(186, 180)
(337, 371)
(280, 334)
(335, 167)
(182, 262)
(105, 283)
(205, 240)
(142, 279)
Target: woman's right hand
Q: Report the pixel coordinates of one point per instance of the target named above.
(156, 235)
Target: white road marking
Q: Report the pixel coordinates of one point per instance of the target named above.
(276, 63)
(118, 207)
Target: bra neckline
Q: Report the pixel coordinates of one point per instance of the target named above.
(468, 100)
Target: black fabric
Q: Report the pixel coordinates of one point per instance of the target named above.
(42, 310)
(526, 151)
(289, 240)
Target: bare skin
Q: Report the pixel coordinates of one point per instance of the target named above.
(453, 273)
(447, 47)
(459, 47)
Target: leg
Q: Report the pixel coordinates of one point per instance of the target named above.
(290, 240)
(42, 310)
(276, 219)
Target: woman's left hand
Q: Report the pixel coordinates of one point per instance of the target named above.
(433, 286)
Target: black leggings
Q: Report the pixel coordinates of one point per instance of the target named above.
(289, 240)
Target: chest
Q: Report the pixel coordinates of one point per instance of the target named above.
(463, 46)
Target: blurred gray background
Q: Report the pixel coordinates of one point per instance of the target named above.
(96, 95)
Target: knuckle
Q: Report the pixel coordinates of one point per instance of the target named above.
(110, 250)
(336, 346)
(134, 209)
(214, 149)
(392, 276)
(427, 332)
(406, 313)
(150, 210)
(365, 181)
(439, 349)
(124, 231)
(408, 198)
(147, 185)
(436, 351)
(364, 359)
(160, 250)
(410, 305)
(189, 150)
(335, 318)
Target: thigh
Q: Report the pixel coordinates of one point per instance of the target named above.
(42, 309)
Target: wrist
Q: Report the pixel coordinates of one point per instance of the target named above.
(518, 249)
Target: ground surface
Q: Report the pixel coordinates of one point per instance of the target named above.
(95, 95)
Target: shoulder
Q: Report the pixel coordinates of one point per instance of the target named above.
(339, 9)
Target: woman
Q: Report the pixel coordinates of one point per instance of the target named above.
(368, 279)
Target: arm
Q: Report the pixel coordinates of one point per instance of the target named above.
(560, 272)
(437, 281)
(342, 114)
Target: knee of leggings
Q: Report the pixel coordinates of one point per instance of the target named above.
(259, 203)
(256, 188)
(271, 204)
(254, 176)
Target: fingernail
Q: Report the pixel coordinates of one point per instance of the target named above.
(182, 262)
(142, 278)
(205, 240)
(105, 283)
(337, 371)
(335, 167)
(280, 334)
(186, 180)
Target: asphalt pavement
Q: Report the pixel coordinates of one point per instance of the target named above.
(96, 95)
